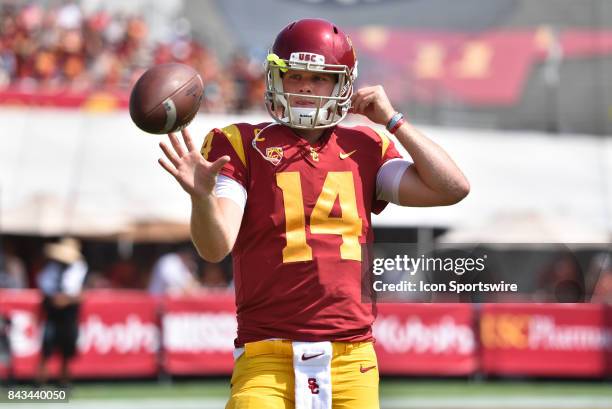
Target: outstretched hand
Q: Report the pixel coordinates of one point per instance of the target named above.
(196, 175)
(373, 103)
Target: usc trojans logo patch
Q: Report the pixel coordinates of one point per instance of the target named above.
(313, 386)
(274, 154)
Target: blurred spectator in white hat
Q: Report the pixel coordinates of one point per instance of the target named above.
(61, 281)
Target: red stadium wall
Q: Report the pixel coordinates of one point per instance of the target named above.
(131, 334)
(546, 339)
(119, 334)
(426, 339)
(198, 335)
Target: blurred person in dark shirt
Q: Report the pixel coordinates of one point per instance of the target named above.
(12, 269)
(174, 273)
(61, 281)
(5, 347)
(213, 277)
(561, 281)
(601, 268)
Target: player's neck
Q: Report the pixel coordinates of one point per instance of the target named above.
(310, 135)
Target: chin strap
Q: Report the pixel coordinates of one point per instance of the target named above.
(254, 145)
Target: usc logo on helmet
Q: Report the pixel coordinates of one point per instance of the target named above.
(307, 57)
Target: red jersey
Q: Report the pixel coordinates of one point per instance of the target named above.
(297, 258)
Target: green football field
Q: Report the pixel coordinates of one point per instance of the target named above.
(395, 388)
(395, 394)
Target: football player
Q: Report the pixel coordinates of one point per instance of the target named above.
(291, 200)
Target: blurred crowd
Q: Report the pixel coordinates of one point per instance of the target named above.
(176, 269)
(61, 48)
(157, 268)
(62, 269)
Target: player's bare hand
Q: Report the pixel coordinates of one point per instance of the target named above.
(196, 175)
(373, 103)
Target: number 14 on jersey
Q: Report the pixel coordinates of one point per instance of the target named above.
(338, 185)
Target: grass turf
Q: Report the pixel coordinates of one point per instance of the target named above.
(389, 388)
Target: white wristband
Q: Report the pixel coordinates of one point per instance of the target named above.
(229, 188)
(388, 179)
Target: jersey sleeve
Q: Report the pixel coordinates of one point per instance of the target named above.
(227, 141)
(388, 151)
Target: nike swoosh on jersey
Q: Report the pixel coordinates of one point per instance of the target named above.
(307, 357)
(346, 155)
(364, 370)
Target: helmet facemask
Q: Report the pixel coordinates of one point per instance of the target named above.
(328, 110)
